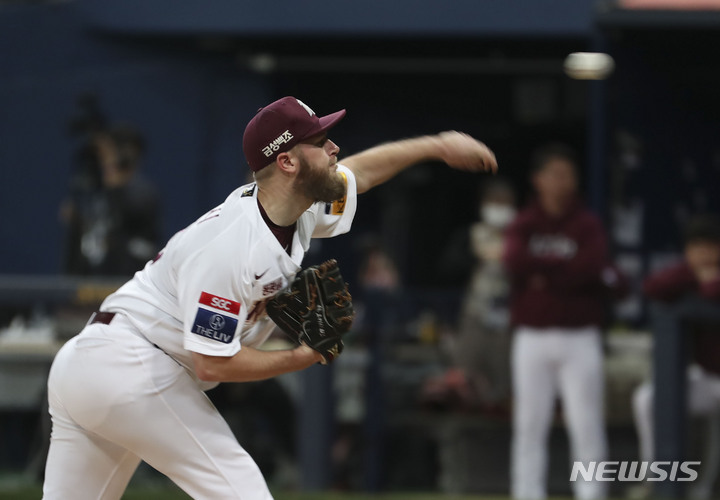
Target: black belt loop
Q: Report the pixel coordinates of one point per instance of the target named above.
(105, 318)
(101, 317)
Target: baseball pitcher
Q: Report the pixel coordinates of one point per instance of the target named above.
(130, 386)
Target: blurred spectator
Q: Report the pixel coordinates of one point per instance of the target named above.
(359, 389)
(698, 275)
(482, 350)
(116, 225)
(557, 260)
(378, 271)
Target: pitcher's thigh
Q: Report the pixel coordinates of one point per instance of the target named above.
(84, 466)
(179, 432)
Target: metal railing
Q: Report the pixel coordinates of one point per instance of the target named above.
(670, 325)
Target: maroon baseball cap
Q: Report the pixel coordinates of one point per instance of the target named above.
(277, 127)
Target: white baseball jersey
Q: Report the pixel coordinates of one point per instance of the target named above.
(206, 291)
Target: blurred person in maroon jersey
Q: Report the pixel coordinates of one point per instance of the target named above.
(697, 274)
(557, 260)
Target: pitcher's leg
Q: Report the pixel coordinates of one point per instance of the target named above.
(84, 466)
(187, 439)
(160, 414)
(118, 388)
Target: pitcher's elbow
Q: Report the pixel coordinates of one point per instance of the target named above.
(205, 369)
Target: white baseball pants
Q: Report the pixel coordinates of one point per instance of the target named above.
(115, 399)
(703, 398)
(547, 363)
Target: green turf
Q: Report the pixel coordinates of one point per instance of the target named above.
(19, 487)
(35, 493)
(171, 493)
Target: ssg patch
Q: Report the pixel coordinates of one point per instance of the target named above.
(220, 303)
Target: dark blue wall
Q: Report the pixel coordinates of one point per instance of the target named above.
(345, 17)
(664, 99)
(192, 104)
(191, 109)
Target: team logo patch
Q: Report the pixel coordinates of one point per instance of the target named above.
(307, 108)
(338, 207)
(220, 303)
(248, 191)
(214, 326)
(272, 287)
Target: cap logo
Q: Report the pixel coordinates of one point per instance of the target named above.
(264, 139)
(283, 138)
(307, 108)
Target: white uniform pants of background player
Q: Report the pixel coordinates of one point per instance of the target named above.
(703, 398)
(547, 363)
(115, 399)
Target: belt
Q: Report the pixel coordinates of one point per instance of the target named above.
(101, 317)
(105, 318)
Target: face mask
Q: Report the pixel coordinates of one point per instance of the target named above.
(497, 215)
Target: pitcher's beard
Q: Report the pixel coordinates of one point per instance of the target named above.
(320, 183)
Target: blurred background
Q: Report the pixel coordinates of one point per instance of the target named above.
(121, 122)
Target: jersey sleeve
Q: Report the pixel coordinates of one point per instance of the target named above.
(332, 219)
(213, 300)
